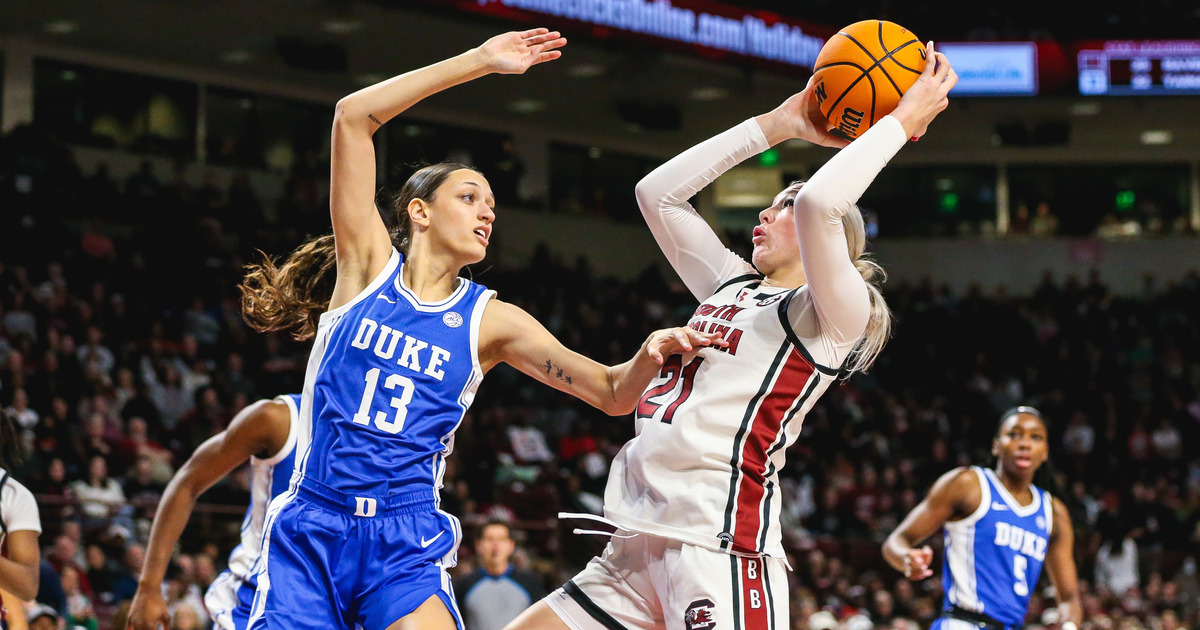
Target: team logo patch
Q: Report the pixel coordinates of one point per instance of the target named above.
(771, 300)
(699, 616)
(725, 537)
(452, 319)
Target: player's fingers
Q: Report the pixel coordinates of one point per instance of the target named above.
(950, 82)
(930, 60)
(943, 68)
(534, 32)
(681, 338)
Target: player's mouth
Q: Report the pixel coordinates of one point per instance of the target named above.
(758, 235)
(483, 233)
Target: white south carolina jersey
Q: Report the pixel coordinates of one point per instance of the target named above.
(994, 557)
(711, 434)
(269, 478)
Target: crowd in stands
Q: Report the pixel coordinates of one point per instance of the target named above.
(122, 348)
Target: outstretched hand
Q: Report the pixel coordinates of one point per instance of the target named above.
(916, 563)
(928, 95)
(515, 52)
(682, 340)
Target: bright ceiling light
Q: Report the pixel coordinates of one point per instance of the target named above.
(1157, 136)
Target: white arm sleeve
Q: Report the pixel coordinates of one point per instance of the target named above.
(838, 291)
(691, 246)
(18, 508)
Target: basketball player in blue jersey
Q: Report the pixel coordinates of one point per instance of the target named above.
(397, 357)
(999, 531)
(264, 433)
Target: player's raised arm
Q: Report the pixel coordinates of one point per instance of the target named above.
(839, 291)
(363, 243)
(259, 429)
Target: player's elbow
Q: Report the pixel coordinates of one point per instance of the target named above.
(25, 587)
(349, 117)
(815, 201)
(652, 198)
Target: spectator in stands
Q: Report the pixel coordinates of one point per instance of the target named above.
(100, 496)
(496, 592)
(1044, 222)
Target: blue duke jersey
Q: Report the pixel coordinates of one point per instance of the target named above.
(993, 558)
(388, 381)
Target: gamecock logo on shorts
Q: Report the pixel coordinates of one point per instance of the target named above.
(699, 616)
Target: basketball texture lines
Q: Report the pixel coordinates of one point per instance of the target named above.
(863, 71)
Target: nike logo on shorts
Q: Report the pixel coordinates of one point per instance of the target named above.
(426, 543)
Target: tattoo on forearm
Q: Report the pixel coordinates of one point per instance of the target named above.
(558, 372)
(374, 119)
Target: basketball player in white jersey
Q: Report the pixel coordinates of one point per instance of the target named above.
(695, 493)
(1000, 529)
(264, 433)
(20, 526)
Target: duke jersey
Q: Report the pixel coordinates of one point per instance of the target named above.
(711, 434)
(230, 595)
(388, 381)
(269, 478)
(993, 558)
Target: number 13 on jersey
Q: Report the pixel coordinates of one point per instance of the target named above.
(394, 382)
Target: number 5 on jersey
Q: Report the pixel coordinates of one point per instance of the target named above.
(400, 404)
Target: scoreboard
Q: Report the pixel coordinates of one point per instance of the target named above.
(1140, 67)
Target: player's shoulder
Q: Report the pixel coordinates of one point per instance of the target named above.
(957, 483)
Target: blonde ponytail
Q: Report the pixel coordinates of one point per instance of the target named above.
(879, 326)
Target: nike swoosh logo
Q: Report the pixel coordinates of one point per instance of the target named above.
(384, 298)
(998, 506)
(426, 543)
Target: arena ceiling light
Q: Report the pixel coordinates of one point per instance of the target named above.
(1157, 136)
(61, 27)
(526, 106)
(708, 93)
(339, 26)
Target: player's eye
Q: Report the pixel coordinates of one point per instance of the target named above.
(468, 197)
(789, 202)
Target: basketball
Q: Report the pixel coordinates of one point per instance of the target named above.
(862, 72)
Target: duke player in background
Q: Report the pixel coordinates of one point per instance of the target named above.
(695, 493)
(1000, 529)
(398, 353)
(264, 433)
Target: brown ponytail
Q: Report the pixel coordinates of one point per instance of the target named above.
(290, 297)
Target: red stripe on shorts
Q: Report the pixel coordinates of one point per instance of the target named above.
(755, 613)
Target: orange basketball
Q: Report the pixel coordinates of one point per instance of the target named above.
(862, 72)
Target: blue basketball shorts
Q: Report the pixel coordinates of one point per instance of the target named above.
(337, 561)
